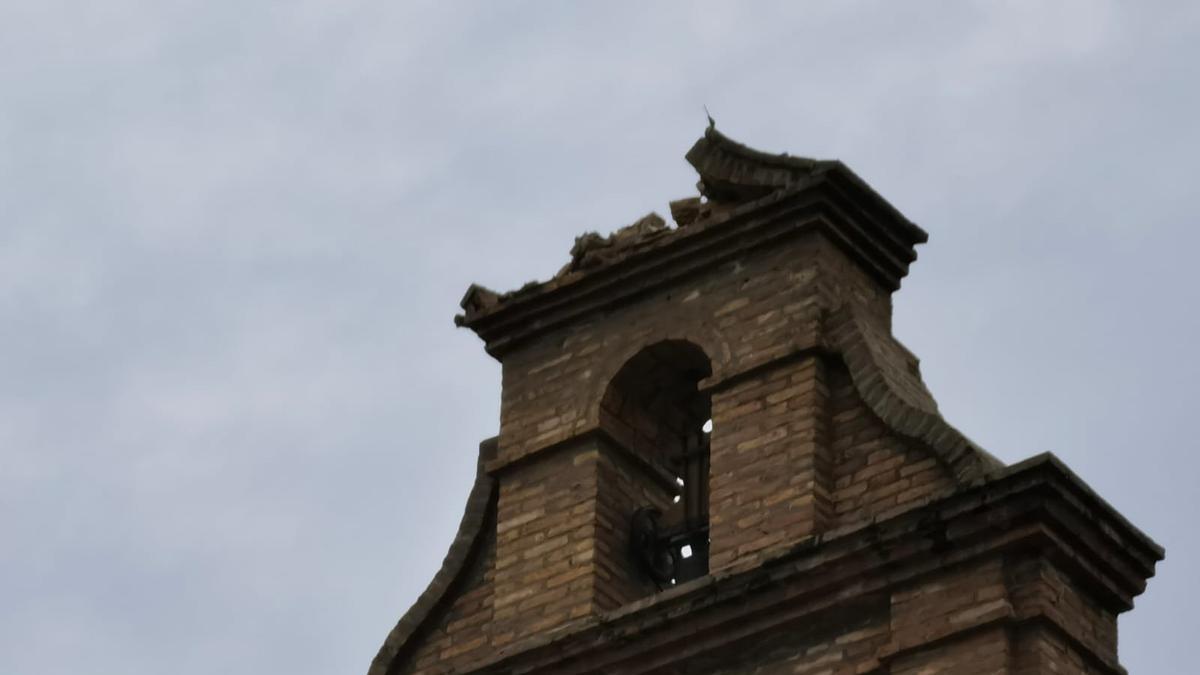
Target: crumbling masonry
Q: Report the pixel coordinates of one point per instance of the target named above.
(714, 457)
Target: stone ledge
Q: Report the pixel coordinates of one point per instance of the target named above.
(1035, 505)
(819, 202)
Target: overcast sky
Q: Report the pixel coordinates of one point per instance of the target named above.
(237, 425)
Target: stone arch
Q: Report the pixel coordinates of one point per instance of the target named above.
(705, 339)
(654, 399)
(654, 408)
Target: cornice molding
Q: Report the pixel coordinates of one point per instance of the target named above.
(828, 201)
(1037, 505)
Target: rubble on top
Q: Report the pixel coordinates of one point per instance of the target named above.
(731, 174)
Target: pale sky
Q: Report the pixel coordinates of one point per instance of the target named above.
(237, 425)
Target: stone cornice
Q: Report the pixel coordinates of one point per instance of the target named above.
(1037, 505)
(832, 200)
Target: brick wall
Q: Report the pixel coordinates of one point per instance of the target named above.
(770, 462)
(624, 486)
(947, 604)
(794, 451)
(546, 545)
(875, 470)
(742, 314)
(562, 537)
(837, 643)
(1074, 622)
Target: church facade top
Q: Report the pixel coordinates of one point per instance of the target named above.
(738, 187)
(715, 457)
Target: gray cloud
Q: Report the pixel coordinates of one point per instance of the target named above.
(236, 424)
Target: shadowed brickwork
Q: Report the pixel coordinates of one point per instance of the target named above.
(714, 457)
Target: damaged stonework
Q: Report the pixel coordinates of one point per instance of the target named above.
(737, 184)
(592, 250)
(715, 457)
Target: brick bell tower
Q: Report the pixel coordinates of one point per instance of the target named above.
(714, 457)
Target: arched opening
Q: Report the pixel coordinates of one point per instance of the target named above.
(654, 408)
